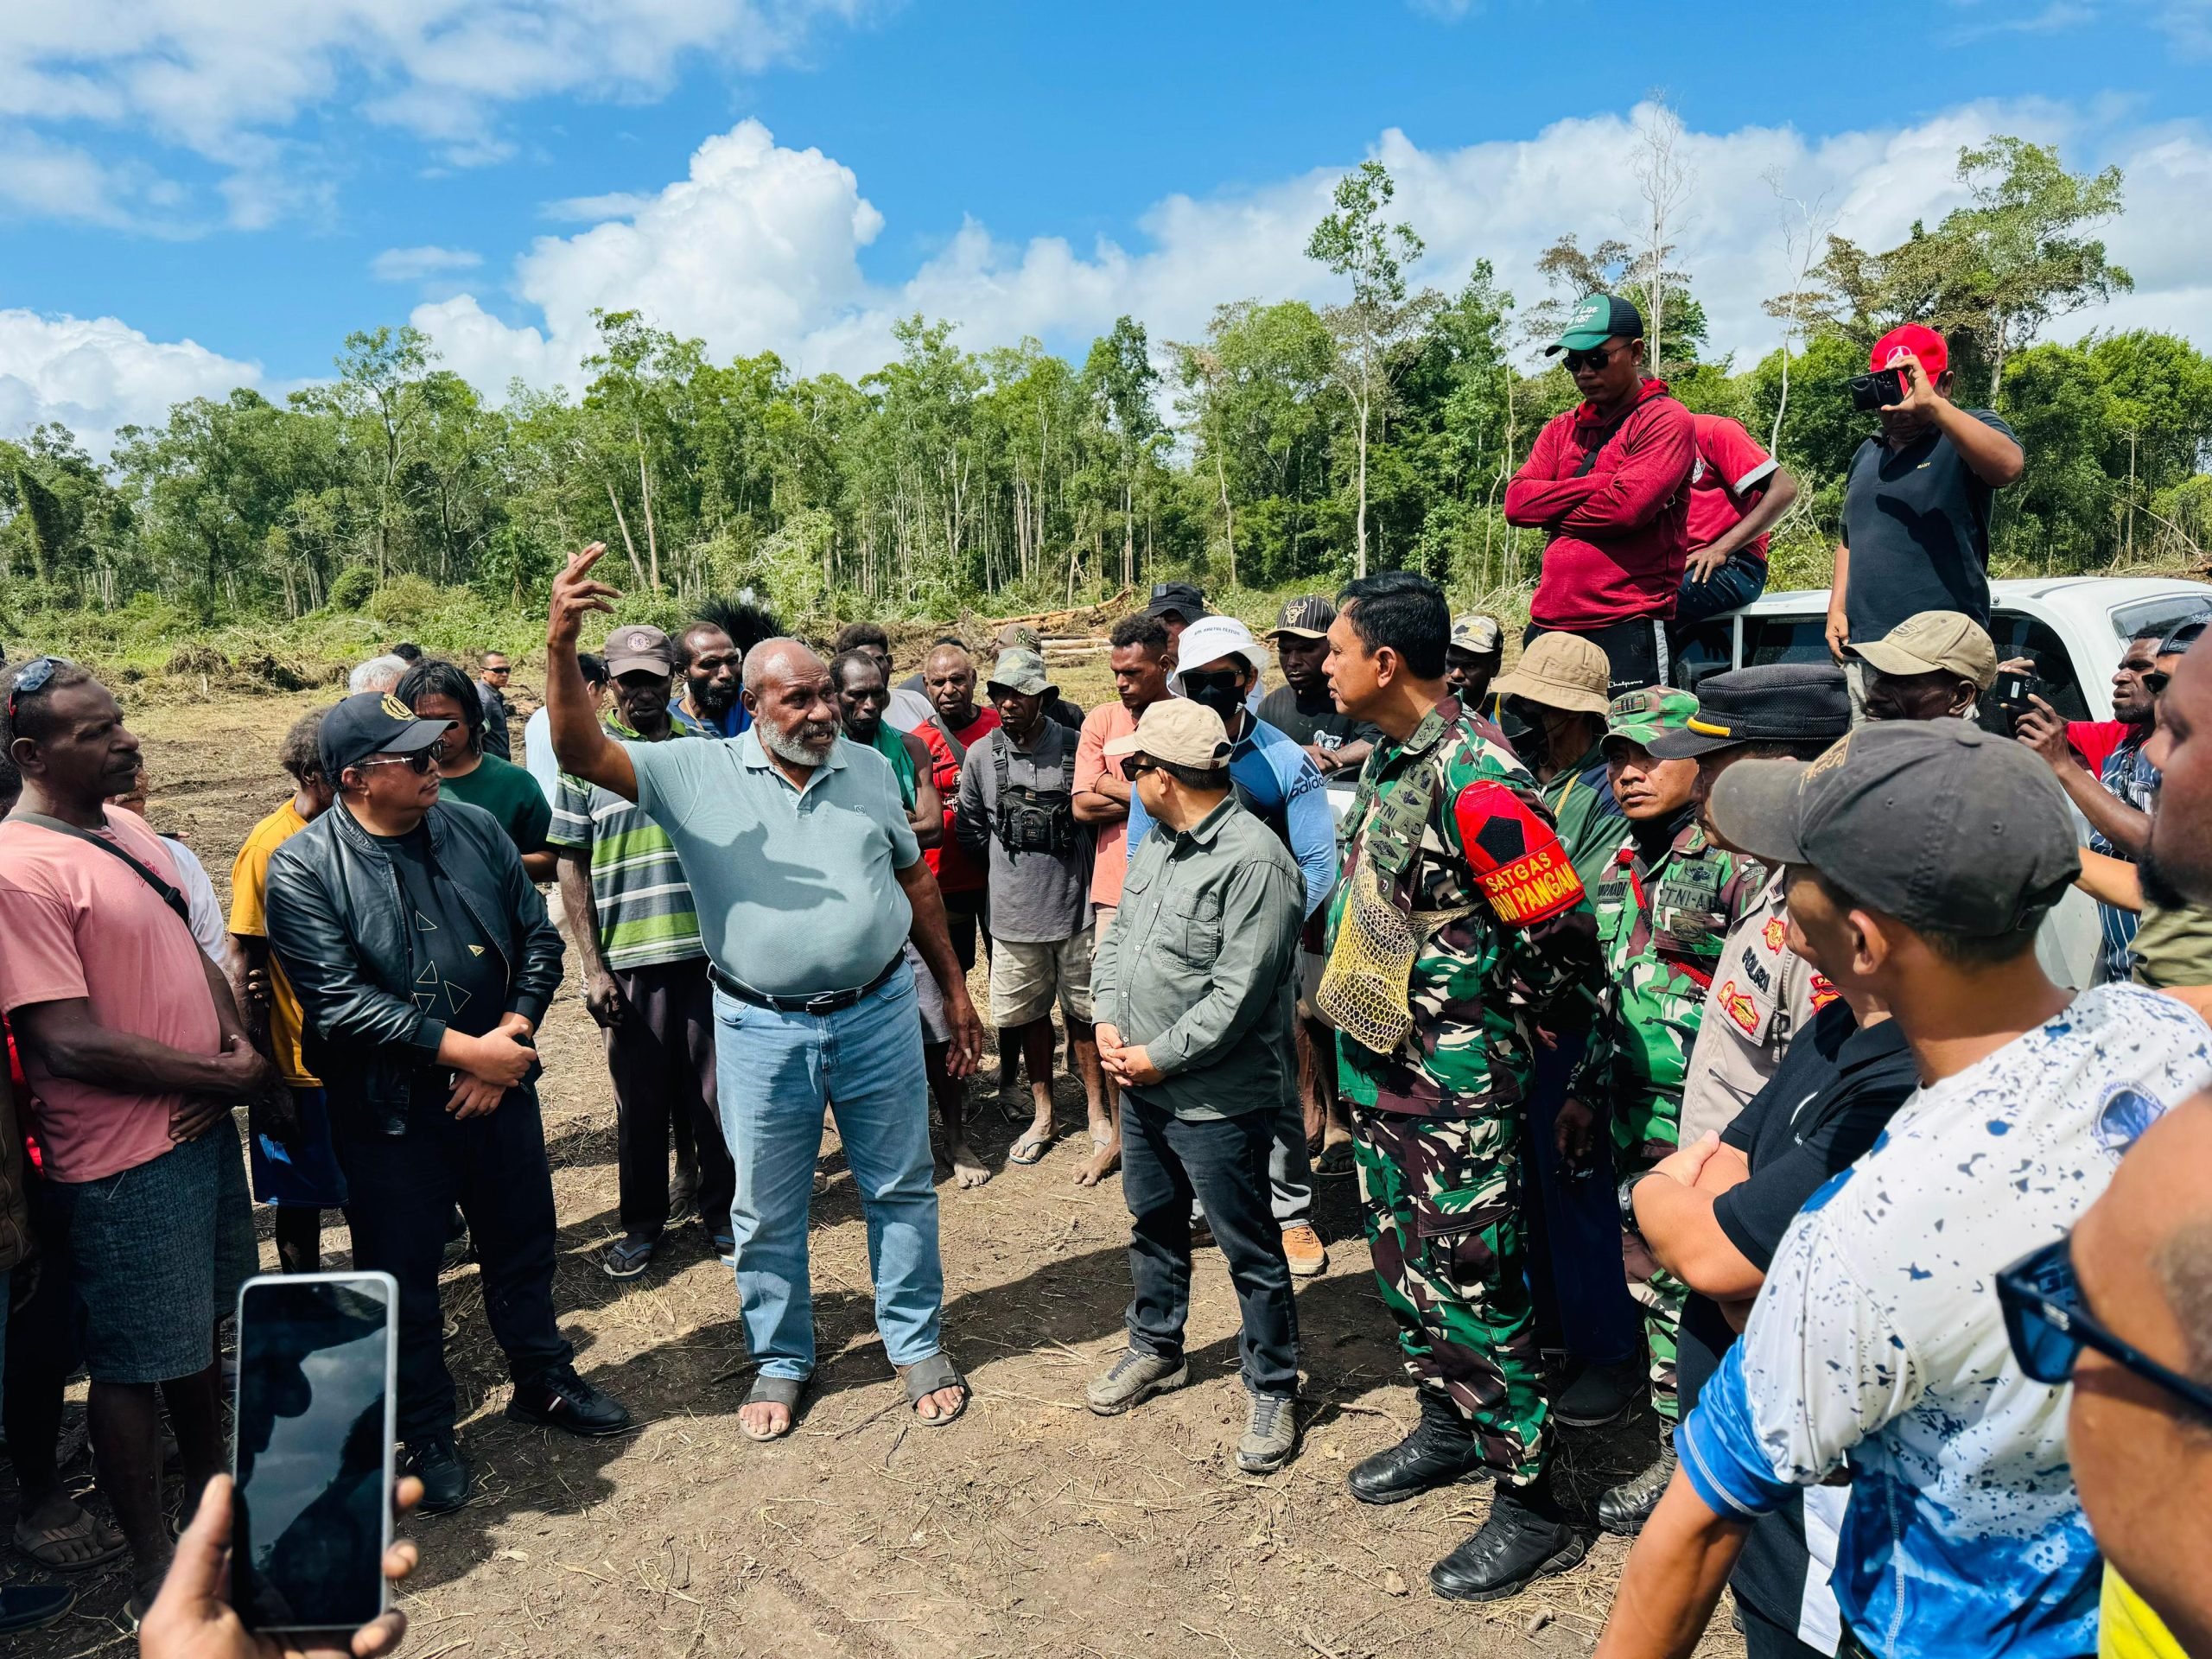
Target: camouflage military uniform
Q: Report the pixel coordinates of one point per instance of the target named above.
(1665, 909)
(1436, 1123)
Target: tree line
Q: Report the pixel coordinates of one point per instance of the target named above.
(1290, 444)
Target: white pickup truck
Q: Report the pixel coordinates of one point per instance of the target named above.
(2072, 627)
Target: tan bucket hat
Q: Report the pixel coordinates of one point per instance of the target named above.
(1560, 670)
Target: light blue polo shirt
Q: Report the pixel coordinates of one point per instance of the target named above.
(796, 890)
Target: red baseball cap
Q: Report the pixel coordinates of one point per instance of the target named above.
(1916, 338)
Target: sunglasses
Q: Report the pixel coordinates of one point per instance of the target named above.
(31, 679)
(1596, 357)
(2155, 682)
(1221, 679)
(420, 762)
(2048, 1325)
(1135, 765)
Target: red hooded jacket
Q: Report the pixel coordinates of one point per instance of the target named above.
(1619, 531)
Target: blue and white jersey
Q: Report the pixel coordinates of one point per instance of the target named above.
(1276, 780)
(1877, 1338)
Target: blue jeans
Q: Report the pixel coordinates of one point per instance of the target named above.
(1575, 1259)
(1736, 583)
(776, 1072)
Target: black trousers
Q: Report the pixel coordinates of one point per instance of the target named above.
(1637, 649)
(1166, 1161)
(661, 1057)
(967, 914)
(400, 1189)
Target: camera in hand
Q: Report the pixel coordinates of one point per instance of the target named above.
(1880, 389)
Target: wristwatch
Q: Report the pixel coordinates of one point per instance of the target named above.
(1628, 1197)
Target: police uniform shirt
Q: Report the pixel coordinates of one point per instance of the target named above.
(1763, 994)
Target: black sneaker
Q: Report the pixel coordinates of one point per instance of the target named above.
(446, 1479)
(1525, 1539)
(1600, 1395)
(1441, 1449)
(1626, 1509)
(562, 1400)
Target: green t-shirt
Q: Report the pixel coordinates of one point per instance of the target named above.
(891, 744)
(509, 794)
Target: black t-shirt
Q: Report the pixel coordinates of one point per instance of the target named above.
(1916, 521)
(464, 981)
(1315, 722)
(1832, 1094)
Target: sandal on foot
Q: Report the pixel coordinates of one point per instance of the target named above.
(926, 1377)
(783, 1391)
(1335, 1158)
(44, 1544)
(1033, 1143)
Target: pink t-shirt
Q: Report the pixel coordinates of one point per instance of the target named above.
(1100, 727)
(1730, 473)
(75, 922)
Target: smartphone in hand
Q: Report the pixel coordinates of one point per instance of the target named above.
(318, 1360)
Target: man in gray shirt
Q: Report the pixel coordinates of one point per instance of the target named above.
(1017, 803)
(1194, 984)
(808, 882)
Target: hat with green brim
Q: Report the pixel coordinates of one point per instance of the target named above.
(1639, 716)
(1597, 319)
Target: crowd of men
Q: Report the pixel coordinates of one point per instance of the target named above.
(1692, 1050)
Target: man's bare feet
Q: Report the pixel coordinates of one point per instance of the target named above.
(967, 1168)
(1102, 1161)
(945, 1402)
(764, 1422)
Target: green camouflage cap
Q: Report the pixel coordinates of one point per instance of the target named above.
(1639, 716)
(1024, 672)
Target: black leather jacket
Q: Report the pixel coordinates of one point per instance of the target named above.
(339, 926)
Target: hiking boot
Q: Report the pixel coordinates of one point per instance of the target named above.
(1525, 1538)
(1303, 1250)
(1628, 1505)
(562, 1400)
(1441, 1449)
(1600, 1395)
(1131, 1380)
(1270, 1433)
(436, 1462)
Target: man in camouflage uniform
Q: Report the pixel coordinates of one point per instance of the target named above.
(1450, 855)
(1665, 905)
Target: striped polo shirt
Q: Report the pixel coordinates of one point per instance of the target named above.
(646, 914)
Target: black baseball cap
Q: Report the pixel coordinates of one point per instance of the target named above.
(1934, 822)
(1180, 597)
(1780, 702)
(372, 722)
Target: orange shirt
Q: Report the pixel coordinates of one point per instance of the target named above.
(1100, 727)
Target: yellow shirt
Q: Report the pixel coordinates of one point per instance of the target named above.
(250, 919)
(2128, 1630)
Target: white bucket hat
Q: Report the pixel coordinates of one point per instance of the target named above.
(1212, 637)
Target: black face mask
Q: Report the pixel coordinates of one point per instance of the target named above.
(1219, 691)
(1526, 736)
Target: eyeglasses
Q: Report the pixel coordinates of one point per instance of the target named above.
(1135, 765)
(2048, 1325)
(1596, 357)
(31, 679)
(420, 762)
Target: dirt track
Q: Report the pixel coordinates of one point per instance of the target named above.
(1030, 1527)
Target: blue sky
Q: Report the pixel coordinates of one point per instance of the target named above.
(258, 183)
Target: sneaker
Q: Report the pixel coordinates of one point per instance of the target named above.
(1626, 1509)
(562, 1400)
(1303, 1250)
(1270, 1433)
(1525, 1539)
(628, 1257)
(1442, 1450)
(1600, 1395)
(1131, 1380)
(438, 1465)
(33, 1606)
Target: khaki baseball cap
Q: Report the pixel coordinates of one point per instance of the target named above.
(1560, 670)
(1022, 671)
(1934, 642)
(1178, 730)
(1472, 631)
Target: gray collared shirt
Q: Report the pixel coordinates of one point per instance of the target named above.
(1199, 965)
(798, 890)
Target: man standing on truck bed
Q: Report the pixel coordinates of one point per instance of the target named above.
(1916, 504)
(1608, 484)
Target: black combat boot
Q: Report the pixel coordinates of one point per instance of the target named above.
(1527, 1536)
(1628, 1505)
(1440, 1450)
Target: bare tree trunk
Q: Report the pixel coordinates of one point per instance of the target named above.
(645, 495)
(622, 524)
(1227, 513)
(1360, 520)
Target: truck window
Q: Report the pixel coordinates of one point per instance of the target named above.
(2163, 613)
(2018, 635)
(1706, 649)
(1786, 639)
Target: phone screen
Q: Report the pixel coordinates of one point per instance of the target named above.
(313, 1452)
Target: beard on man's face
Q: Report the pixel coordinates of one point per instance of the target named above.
(805, 744)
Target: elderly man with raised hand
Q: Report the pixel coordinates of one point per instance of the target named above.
(1195, 981)
(809, 882)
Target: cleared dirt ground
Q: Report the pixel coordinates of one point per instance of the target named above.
(1030, 1527)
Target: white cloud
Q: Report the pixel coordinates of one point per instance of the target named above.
(413, 265)
(758, 247)
(96, 374)
(226, 80)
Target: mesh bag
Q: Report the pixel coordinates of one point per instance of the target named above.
(1364, 987)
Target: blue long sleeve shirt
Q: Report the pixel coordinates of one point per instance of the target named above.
(1279, 784)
